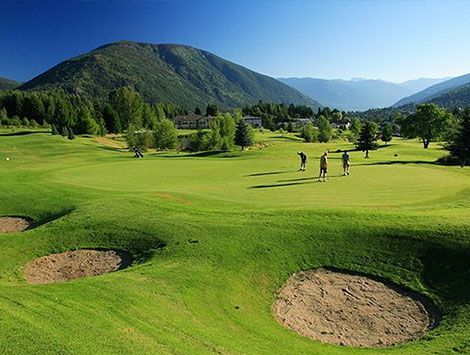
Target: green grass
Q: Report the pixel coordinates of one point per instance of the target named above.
(256, 219)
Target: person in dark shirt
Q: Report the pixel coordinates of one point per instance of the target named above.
(303, 160)
(346, 162)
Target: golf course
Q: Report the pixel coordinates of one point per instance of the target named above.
(213, 236)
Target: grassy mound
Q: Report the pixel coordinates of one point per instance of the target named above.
(256, 220)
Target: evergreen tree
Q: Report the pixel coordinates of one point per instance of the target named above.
(387, 133)
(324, 129)
(244, 135)
(367, 138)
(459, 145)
(197, 111)
(166, 135)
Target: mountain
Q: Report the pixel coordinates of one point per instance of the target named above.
(435, 90)
(165, 72)
(458, 97)
(356, 94)
(7, 84)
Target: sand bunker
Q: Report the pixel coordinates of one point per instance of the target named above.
(350, 310)
(14, 224)
(73, 265)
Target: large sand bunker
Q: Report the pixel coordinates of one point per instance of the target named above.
(14, 224)
(73, 265)
(350, 310)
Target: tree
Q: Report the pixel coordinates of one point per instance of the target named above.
(149, 118)
(324, 129)
(309, 134)
(54, 130)
(429, 123)
(387, 133)
(459, 144)
(355, 128)
(166, 135)
(367, 138)
(128, 105)
(197, 111)
(244, 135)
(71, 135)
(222, 132)
(64, 131)
(111, 119)
(212, 110)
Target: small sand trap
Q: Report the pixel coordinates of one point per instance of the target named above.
(73, 265)
(350, 310)
(14, 224)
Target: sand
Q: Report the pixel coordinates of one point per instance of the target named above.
(350, 310)
(73, 265)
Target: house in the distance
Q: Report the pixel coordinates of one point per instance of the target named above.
(255, 122)
(192, 121)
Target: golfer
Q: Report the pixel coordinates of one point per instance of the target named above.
(346, 162)
(323, 167)
(303, 160)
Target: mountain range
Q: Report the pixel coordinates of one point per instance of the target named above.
(172, 73)
(440, 92)
(7, 84)
(358, 94)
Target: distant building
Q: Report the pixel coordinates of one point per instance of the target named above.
(192, 121)
(255, 122)
(341, 124)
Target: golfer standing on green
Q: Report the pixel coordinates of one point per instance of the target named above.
(323, 167)
(346, 162)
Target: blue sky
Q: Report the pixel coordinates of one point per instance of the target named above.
(390, 40)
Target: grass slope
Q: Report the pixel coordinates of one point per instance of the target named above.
(256, 220)
(165, 72)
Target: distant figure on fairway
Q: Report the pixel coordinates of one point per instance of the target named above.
(346, 162)
(303, 160)
(138, 153)
(323, 167)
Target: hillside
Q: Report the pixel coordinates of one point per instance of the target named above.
(454, 98)
(435, 90)
(165, 72)
(356, 94)
(7, 84)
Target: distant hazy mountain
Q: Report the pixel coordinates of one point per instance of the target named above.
(435, 90)
(458, 97)
(165, 72)
(7, 84)
(357, 94)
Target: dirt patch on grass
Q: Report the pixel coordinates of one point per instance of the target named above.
(350, 310)
(111, 141)
(73, 265)
(14, 224)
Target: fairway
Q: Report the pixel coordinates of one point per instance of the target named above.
(213, 236)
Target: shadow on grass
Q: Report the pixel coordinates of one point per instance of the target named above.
(401, 162)
(204, 154)
(270, 173)
(278, 185)
(20, 133)
(447, 270)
